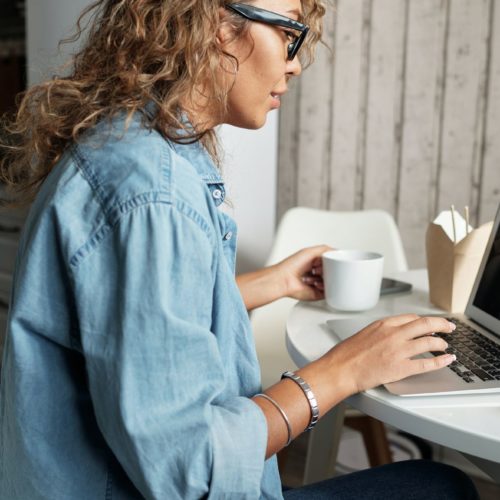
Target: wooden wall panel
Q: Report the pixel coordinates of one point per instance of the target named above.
(421, 118)
(315, 120)
(490, 182)
(384, 104)
(348, 93)
(406, 117)
(462, 114)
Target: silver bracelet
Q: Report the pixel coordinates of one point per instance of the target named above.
(283, 414)
(309, 394)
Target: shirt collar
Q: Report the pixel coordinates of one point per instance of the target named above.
(198, 156)
(195, 153)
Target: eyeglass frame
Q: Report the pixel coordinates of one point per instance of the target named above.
(264, 16)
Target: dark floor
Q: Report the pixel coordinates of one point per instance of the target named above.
(294, 467)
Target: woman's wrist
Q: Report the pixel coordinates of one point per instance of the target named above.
(308, 393)
(329, 388)
(280, 279)
(261, 287)
(330, 380)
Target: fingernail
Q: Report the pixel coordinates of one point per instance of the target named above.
(453, 357)
(452, 325)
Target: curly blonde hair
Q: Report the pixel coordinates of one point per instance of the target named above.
(135, 52)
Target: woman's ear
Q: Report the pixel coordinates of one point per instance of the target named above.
(224, 30)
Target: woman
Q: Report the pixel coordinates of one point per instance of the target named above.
(129, 367)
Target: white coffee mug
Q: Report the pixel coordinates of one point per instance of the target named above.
(352, 279)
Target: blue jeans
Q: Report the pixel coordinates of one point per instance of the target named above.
(408, 480)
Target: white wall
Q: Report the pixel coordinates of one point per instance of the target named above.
(250, 169)
(47, 22)
(251, 156)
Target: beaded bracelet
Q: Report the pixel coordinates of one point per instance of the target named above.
(283, 414)
(309, 394)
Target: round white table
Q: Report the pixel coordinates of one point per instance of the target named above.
(467, 423)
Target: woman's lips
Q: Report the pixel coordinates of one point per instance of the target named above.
(276, 100)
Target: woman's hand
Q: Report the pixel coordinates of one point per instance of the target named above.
(302, 273)
(299, 276)
(384, 351)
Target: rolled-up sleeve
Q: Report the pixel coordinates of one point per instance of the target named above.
(144, 292)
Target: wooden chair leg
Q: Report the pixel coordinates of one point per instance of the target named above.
(375, 438)
(323, 446)
(282, 457)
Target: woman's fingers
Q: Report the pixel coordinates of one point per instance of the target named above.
(314, 282)
(427, 343)
(317, 269)
(425, 326)
(423, 365)
(314, 277)
(311, 280)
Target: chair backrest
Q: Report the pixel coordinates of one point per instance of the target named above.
(300, 227)
(373, 230)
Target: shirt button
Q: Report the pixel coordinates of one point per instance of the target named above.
(228, 235)
(217, 194)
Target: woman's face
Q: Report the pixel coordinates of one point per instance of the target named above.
(263, 70)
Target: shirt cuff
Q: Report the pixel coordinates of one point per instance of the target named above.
(239, 449)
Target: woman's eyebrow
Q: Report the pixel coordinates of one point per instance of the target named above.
(297, 12)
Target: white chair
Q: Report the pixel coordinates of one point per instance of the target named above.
(300, 227)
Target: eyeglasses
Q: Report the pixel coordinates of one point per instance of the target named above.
(267, 17)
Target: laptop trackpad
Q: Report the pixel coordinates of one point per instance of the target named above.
(345, 328)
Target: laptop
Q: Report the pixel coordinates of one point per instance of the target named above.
(475, 342)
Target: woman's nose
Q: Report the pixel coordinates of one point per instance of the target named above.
(294, 67)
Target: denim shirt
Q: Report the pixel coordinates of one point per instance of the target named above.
(129, 359)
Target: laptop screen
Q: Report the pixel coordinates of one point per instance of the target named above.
(484, 301)
(487, 296)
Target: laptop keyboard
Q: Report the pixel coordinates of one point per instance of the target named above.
(478, 357)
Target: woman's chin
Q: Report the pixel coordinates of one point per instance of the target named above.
(253, 122)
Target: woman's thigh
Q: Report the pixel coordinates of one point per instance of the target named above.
(408, 480)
